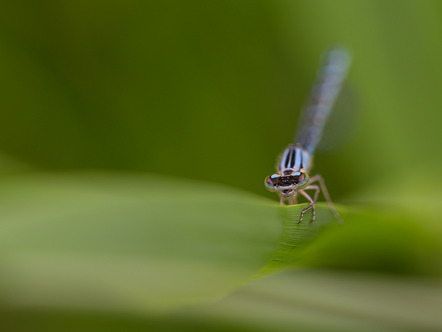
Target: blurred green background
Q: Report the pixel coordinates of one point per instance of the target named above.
(180, 104)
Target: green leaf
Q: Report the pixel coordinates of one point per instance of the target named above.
(107, 251)
(137, 243)
(371, 241)
(325, 300)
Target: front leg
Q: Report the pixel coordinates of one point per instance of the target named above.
(316, 188)
(331, 206)
(311, 206)
(315, 199)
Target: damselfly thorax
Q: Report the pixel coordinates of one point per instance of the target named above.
(292, 177)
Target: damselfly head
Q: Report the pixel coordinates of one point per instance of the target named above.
(287, 183)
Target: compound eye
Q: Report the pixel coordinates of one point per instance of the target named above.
(269, 183)
(303, 180)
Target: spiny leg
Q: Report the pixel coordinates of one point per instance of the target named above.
(317, 190)
(331, 206)
(315, 199)
(311, 206)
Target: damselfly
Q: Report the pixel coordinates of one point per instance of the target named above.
(293, 169)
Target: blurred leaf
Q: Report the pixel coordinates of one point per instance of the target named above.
(378, 242)
(78, 244)
(136, 243)
(80, 321)
(321, 300)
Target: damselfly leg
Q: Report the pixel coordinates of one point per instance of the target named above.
(321, 188)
